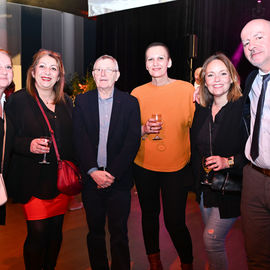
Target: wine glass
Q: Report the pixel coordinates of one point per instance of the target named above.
(49, 143)
(157, 118)
(207, 171)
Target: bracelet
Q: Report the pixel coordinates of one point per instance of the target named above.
(231, 161)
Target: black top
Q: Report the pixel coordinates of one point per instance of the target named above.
(228, 139)
(27, 177)
(8, 146)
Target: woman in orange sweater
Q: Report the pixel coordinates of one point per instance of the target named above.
(161, 163)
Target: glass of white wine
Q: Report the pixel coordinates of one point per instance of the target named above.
(49, 143)
(157, 118)
(207, 171)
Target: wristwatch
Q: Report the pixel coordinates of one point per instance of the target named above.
(231, 161)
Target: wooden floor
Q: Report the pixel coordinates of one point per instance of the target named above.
(73, 255)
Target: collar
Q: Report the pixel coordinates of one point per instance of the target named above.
(262, 73)
(109, 97)
(3, 100)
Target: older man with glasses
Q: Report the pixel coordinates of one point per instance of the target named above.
(107, 130)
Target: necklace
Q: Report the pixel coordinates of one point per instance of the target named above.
(48, 100)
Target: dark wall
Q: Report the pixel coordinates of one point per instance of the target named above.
(89, 43)
(216, 23)
(31, 37)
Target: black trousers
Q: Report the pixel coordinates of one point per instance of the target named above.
(174, 197)
(2, 214)
(115, 205)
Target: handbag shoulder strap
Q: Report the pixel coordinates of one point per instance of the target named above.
(210, 136)
(50, 129)
(4, 142)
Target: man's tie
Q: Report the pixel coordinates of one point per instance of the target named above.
(254, 151)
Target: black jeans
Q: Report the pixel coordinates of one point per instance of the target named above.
(174, 197)
(115, 205)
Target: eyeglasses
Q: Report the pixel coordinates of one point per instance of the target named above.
(108, 71)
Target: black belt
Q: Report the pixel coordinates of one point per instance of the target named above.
(261, 170)
(102, 168)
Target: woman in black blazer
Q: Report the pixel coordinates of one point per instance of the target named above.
(34, 184)
(6, 78)
(218, 137)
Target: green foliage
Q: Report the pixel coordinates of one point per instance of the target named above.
(80, 84)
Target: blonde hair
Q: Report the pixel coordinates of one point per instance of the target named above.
(59, 85)
(206, 98)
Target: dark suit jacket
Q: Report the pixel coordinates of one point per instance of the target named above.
(123, 137)
(26, 176)
(249, 81)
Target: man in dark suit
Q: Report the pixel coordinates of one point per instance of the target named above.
(107, 131)
(255, 205)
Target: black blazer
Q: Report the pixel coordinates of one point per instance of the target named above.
(249, 81)
(8, 147)
(25, 173)
(229, 141)
(123, 137)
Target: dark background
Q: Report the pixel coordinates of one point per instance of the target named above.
(217, 24)
(125, 34)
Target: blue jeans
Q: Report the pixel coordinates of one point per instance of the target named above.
(214, 235)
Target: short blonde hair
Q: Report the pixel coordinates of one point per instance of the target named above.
(206, 98)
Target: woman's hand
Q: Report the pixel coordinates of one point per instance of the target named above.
(151, 127)
(217, 163)
(39, 146)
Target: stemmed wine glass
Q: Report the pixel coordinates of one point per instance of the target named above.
(207, 171)
(157, 118)
(49, 143)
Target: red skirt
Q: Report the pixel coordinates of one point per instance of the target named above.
(36, 209)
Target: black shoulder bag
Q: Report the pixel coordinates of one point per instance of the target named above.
(224, 181)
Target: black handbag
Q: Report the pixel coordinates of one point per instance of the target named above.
(226, 182)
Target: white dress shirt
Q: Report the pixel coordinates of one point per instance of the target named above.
(263, 160)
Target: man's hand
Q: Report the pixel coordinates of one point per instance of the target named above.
(102, 178)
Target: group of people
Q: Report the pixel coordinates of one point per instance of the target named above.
(151, 136)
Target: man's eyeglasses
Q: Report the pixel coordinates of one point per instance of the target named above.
(108, 71)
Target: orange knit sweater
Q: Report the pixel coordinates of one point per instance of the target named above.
(174, 102)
